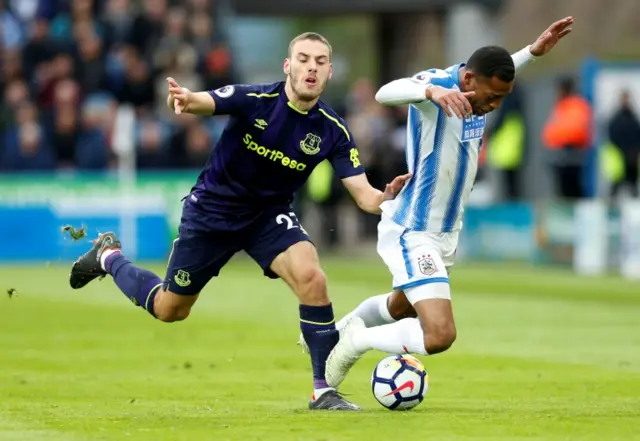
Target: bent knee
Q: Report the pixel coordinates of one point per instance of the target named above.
(440, 338)
(169, 307)
(312, 286)
(399, 306)
(173, 314)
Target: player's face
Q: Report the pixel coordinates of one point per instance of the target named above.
(489, 93)
(308, 69)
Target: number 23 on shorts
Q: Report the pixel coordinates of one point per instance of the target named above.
(291, 221)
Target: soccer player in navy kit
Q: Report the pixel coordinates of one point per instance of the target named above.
(275, 137)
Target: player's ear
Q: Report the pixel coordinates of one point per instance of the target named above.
(287, 66)
(330, 70)
(469, 80)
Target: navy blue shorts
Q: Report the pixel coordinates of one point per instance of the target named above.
(199, 254)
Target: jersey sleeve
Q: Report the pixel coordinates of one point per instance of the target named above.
(232, 99)
(345, 158)
(435, 78)
(412, 90)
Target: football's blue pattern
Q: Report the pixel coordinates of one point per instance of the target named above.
(419, 395)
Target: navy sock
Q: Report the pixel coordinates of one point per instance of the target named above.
(319, 330)
(139, 285)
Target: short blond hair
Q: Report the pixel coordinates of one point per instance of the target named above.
(313, 36)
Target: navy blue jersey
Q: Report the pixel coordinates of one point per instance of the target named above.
(267, 151)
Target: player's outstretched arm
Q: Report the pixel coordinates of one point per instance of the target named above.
(346, 163)
(424, 87)
(544, 43)
(368, 198)
(403, 91)
(182, 100)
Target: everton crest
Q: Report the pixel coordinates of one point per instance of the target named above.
(182, 278)
(311, 144)
(427, 265)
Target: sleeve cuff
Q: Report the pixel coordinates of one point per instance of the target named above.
(523, 57)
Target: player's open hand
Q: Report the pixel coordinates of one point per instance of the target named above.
(178, 98)
(451, 100)
(551, 36)
(392, 190)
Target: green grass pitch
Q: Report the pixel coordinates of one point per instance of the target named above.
(541, 355)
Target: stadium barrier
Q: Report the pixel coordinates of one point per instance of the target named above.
(591, 237)
(35, 207)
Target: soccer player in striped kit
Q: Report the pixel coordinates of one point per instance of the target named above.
(418, 232)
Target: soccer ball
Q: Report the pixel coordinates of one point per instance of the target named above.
(399, 382)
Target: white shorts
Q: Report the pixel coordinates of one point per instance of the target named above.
(415, 258)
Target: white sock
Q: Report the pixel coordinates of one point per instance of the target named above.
(404, 336)
(373, 312)
(318, 392)
(104, 255)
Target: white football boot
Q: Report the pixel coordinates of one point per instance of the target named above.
(344, 355)
(303, 343)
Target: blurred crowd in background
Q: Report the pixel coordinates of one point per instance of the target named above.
(68, 64)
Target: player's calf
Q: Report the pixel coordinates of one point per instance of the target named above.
(141, 286)
(299, 267)
(435, 314)
(436, 320)
(375, 311)
(433, 332)
(381, 310)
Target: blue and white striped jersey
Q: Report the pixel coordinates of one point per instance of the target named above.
(442, 154)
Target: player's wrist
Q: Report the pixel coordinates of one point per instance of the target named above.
(428, 92)
(523, 57)
(188, 99)
(526, 52)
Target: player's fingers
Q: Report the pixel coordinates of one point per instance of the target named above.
(175, 90)
(467, 107)
(177, 105)
(445, 106)
(463, 108)
(172, 82)
(567, 21)
(463, 104)
(458, 106)
(449, 106)
(458, 109)
(398, 183)
(390, 191)
(466, 103)
(453, 111)
(564, 33)
(560, 24)
(395, 187)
